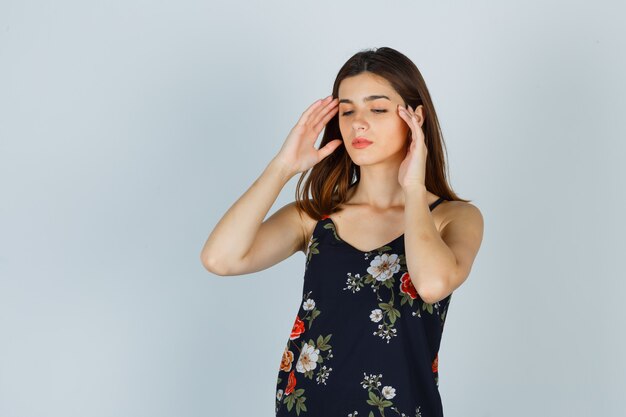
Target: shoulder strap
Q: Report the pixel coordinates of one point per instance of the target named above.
(436, 203)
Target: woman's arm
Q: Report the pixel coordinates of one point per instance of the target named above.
(234, 235)
(439, 263)
(242, 242)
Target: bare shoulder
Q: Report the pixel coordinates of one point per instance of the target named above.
(461, 212)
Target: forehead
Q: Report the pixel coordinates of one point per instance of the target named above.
(357, 87)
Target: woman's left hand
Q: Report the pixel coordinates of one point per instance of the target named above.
(413, 168)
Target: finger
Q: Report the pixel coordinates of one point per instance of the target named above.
(405, 114)
(312, 108)
(415, 116)
(411, 113)
(329, 148)
(408, 119)
(418, 129)
(329, 115)
(414, 121)
(322, 112)
(325, 113)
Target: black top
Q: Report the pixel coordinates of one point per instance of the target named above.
(363, 343)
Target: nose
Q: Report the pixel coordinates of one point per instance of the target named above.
(358, 123)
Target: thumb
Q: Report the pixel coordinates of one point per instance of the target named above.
(329, 148)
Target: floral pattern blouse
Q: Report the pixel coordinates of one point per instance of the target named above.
(363, 343)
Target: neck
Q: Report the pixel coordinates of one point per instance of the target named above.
(378, 188)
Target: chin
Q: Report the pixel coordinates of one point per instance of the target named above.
(363, 161)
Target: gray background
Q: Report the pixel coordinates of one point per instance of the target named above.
(127, 129)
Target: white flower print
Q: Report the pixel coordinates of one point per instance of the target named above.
(380, 398)
(385, 331)
(323, 374)
(371, 381)
(308, 305)
(354, 282)
(279, 394)
(388, 392)
(377, 315)
(384, 266)
(308, 358)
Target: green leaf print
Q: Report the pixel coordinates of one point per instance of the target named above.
(331, 226)
(312, 250)
(374, 400)
(309, 307)
(385, 306)
(380, 398)
(428, 307)
(300, 405)
(320, 354)
(289, 400)
(393, 315)
(385, 267)
(314, 313)
(322, 342)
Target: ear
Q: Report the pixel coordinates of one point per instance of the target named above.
(419, 110)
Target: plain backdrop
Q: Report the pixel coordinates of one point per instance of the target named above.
(128, 128)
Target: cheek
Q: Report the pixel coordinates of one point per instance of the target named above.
(404, 135)
(401, 129)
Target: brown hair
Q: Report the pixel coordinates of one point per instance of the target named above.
(330, 179)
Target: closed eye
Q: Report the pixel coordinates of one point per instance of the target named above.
(374, 110)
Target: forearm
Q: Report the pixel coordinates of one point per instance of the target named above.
(428, 258)
(233, 235)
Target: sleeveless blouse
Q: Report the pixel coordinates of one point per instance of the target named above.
(363, 343)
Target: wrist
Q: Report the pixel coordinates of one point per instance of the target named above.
(282, 169)
(412, 189)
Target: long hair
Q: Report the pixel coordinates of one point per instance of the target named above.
(331, 178)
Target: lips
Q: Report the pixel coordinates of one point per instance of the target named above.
(361, 141)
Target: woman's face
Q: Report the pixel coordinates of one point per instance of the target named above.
(368, 108)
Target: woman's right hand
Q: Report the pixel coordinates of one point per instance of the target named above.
(298, 152)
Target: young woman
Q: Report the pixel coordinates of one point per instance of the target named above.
(381, 262)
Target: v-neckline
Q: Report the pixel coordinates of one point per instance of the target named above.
(348, 244)
(357, 249)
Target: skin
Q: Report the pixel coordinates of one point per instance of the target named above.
(379, 197)
(391, 199)
(379, 121)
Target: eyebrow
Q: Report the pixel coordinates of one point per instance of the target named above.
(368, 98)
